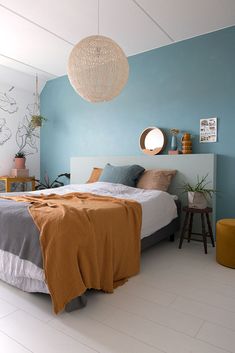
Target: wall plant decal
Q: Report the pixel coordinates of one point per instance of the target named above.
(8, 103)
(5, 132)
(27, 136)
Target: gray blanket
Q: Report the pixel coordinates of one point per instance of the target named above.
(18, 233)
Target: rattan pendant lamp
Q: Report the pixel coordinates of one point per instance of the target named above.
(98, 68)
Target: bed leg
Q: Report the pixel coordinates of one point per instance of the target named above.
(76, 303)
(172, 237)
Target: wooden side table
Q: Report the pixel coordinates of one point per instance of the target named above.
(188, 226)
(9, 180)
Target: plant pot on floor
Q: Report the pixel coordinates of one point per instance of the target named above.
(20, 163)
(196, 200)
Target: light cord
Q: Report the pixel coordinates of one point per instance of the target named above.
(98, 17)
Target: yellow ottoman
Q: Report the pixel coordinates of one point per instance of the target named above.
(225, 242)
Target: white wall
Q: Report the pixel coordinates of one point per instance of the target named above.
(16, 108)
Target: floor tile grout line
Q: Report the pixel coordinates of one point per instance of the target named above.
(176, 297)
(125, 334)
(46, 324)
(13, 339)
(222, 326)
(161, 289)
(155, 287)
(164, 307)
(208, 304)
(147, 319)
(35, 316)
(205, 275)
(7, 301)
(195, 336)
(151, 287)
(199, 301)
(179, 311)
(133, 337)
(210, 321)
(201, 287)
(147, 300)
(217, 282)
(110, 327)
(213, 345)
(4, 316)
(24, 310)
(207, 320)
(74, 339)
(10, 314)
(32, 315)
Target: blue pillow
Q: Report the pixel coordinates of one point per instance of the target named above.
(126, 175)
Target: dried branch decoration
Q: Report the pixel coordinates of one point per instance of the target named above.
(174, 131)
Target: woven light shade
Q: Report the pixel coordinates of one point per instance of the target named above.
(98, 69)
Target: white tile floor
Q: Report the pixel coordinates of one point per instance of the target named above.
(182, 302)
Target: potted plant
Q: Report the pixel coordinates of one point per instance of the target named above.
(20, 160)
(37, 120)
(46, 184)
(199, 193)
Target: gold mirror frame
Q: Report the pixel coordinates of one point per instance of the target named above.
(160, 136)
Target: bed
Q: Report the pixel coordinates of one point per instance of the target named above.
(21, 266)
(21, 263)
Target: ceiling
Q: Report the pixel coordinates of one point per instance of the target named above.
(37, 36)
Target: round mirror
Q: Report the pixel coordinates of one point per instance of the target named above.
(152, 141)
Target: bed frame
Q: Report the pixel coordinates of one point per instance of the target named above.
(166, 232)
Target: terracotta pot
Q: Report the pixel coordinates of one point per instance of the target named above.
(196, 200)
(20, 163)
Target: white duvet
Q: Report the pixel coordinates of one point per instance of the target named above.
(158, 210)
(158, 207)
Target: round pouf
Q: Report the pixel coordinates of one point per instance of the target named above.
(225, 242)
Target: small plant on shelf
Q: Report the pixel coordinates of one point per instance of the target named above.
(198, 193)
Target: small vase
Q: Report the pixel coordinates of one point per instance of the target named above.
(186, 144)
(174, 143)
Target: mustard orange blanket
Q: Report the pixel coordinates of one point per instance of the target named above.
(87, 241)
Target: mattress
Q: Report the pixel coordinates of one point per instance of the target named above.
(158, 210)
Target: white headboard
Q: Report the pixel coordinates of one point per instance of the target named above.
(188, 166)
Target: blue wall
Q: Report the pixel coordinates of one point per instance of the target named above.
(173, 86)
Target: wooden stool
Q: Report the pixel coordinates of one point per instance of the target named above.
(188, 225)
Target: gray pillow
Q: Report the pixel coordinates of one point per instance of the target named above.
(126, 175)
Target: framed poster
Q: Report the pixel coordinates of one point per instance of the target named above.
(208, 130)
